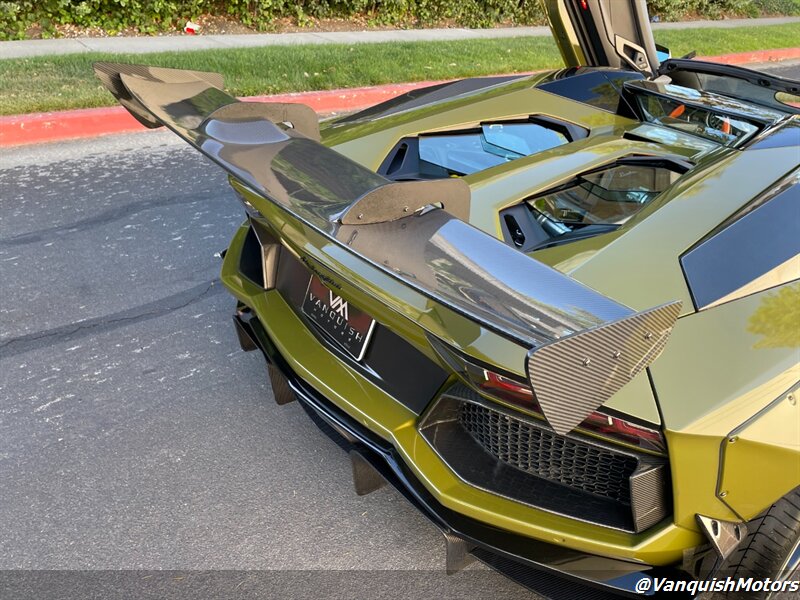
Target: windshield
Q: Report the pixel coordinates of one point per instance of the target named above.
(608, 197)
(709, 124)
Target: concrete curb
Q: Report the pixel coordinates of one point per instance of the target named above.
(37, 128)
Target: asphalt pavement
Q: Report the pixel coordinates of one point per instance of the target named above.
(134, 433)
(789, 69)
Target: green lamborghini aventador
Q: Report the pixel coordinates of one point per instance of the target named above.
(560, 312)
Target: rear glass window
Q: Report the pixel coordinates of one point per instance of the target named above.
(608, 197)
(445, 155)
(494, 144)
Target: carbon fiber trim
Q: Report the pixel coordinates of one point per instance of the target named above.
(247, 343)
(109, 75)
(366, 479)
(270, 254)
(574, 376)
(725, 536)
(457, 552)
(280, 386)
(647, 488)
(401, 199)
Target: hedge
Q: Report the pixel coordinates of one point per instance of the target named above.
(19, 18)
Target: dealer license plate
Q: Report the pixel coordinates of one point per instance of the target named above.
(343, 323)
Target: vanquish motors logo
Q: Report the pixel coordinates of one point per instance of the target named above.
(347, 326)
(338, 304)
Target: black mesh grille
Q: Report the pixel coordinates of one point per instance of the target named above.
(519, 457)
(545, 454)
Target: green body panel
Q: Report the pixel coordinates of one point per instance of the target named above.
(767, 445)
(564, 33)
(713, 376)
(715, 370)
(694, 464)
(369, 142)
(507, 184)
(640, 267)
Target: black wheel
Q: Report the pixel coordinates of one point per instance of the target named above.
(770, 548)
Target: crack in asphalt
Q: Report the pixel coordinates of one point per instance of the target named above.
(151, 310)
(103, 218)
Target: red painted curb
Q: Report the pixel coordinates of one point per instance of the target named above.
(334, 101)
(36, 128)
(758, 56)
(54, 126)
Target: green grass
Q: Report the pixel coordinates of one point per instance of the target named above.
(64, 82)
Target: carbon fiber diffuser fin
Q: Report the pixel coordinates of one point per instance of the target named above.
(574, 376)
(458, 552)
(366, 477)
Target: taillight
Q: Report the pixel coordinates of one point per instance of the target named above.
(599, 424)
(518, 393)
(624, 431)
(507, 389)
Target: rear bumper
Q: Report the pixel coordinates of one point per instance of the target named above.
(549, 569)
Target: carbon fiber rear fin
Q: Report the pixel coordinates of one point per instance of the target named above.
(575, 375)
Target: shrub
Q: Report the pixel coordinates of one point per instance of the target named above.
(151, 16)
(778, 7)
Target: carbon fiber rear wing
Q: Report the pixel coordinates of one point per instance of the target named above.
(583, 346)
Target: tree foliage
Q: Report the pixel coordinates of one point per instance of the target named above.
(777, 319)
